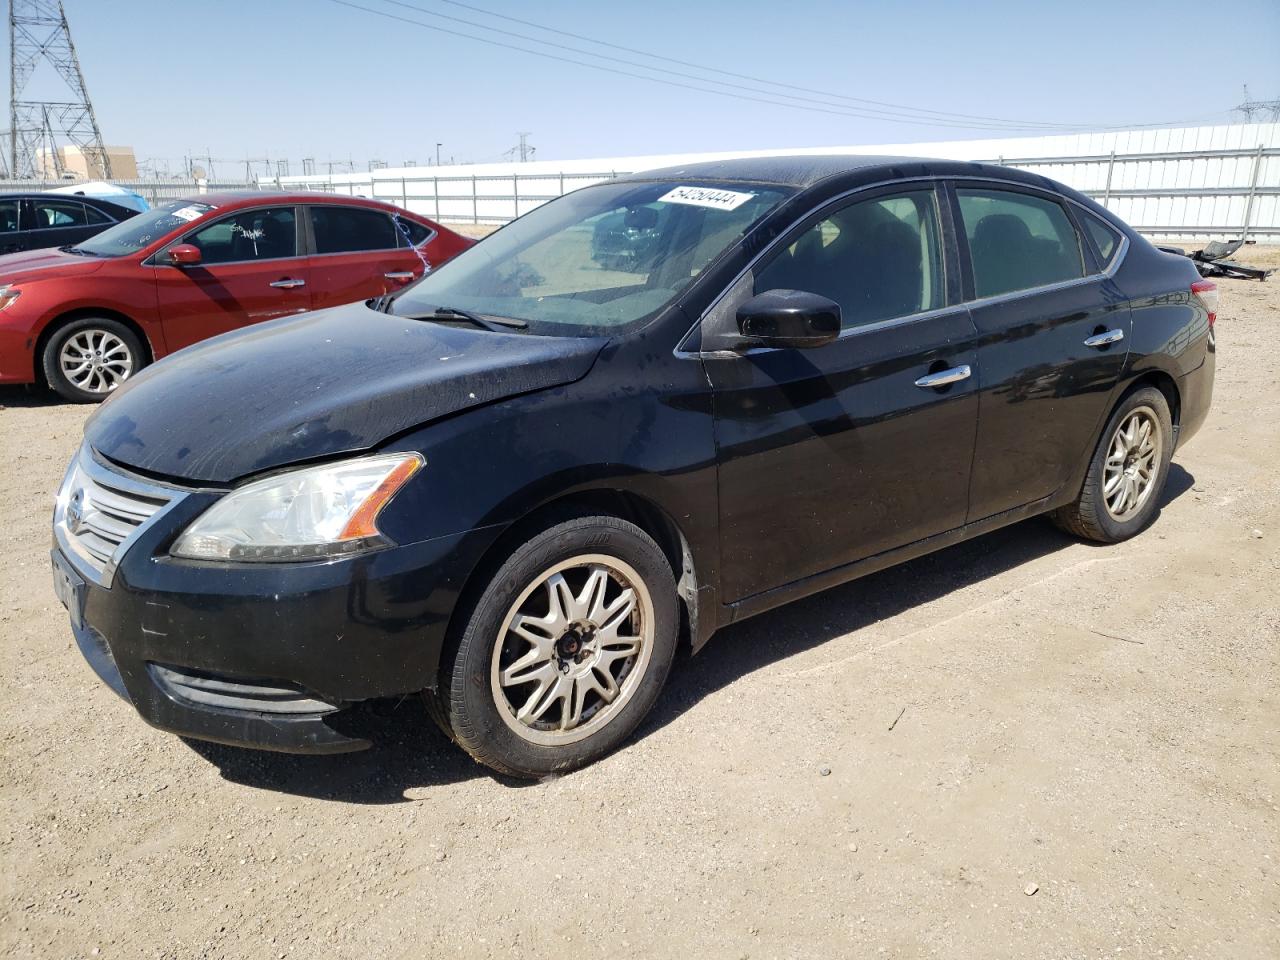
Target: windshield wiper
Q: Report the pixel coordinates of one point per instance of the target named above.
(79, 251)
(493, 324)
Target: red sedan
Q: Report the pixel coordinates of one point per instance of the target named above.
(84, 318)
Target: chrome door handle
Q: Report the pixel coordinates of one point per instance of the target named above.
(400, 275)
(288, 283)
(1104, 338)
(944, 377)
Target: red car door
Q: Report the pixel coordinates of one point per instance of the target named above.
(250, 270)
(358, 253)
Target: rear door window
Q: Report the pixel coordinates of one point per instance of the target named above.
(351, 229)
(879, 259)
(9, 216)
(59, 213)
(264, 234)
(1017, 241)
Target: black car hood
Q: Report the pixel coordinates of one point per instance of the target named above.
(336, 381)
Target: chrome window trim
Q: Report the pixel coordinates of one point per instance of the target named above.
(354, 253)
(220, 263)
(937, 180)
(67, 226)
(76, 554)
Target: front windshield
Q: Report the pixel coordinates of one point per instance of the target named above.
(130, 236)
(597, 261)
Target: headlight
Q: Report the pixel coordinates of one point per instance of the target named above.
(8, 294)
(307, 514)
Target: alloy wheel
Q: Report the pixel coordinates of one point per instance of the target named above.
(572, 650)
(1133, 463)
(95, 360)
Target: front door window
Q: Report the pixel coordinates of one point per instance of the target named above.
(879, 259)
(266, 234)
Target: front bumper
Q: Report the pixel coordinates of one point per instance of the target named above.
(270, 656)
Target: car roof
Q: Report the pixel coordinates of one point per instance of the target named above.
(244, 198)
(48, 195)
(805, 170)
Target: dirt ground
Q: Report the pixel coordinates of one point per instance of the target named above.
(1021, 747)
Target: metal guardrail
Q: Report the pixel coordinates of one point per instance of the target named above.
(495, 198)
(1249, 192)
(469, 196)
(499, 198)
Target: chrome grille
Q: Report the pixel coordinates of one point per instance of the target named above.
(99, 511)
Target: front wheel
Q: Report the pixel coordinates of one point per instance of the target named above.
(565, 651)
(88, 358)
(1127, 474)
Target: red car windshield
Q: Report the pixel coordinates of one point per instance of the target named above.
(140, 231)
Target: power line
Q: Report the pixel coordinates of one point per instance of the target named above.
(846, 112)
(877, 109)
(863, 112)
(740, 76)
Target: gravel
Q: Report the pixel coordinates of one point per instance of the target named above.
(1138, 782)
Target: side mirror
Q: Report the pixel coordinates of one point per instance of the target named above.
(184, 255)
(789, 318)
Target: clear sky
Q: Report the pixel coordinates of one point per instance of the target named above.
(313, 78)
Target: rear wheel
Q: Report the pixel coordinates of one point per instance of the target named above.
(88, 358)
(1127, 474)
(564, 652)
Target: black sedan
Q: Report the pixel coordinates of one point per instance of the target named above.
(33, 221)
(516, 487)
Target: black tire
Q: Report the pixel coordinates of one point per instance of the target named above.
(1089, 516)
(76, 393)
(467, 704)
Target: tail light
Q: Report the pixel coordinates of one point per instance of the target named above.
(1206, 291)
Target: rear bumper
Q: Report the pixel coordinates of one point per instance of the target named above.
(270, 656)
(1195, 391)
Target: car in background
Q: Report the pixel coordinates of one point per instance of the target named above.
(86, 316)
(30, 221)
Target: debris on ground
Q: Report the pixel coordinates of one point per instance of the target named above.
(1212, 261)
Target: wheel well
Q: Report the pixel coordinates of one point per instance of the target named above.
(1166, 385)
(58, 322)
(622, 504)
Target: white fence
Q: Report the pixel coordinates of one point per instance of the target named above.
(1204, 182)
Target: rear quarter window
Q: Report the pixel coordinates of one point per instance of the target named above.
(1105, 239)
(412, 233)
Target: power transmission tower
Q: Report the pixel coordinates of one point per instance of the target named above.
(1250, 106)
(38, 32)
(526, 151)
